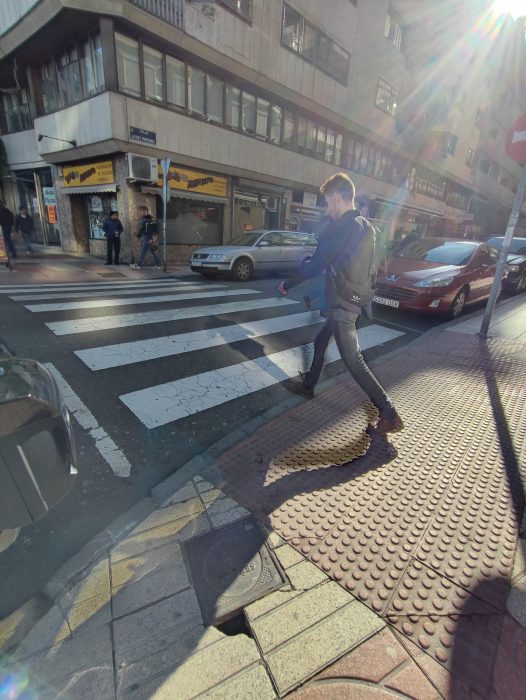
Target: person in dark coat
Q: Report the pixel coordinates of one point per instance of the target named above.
(24, 224)
(112, 228)
(6, 223)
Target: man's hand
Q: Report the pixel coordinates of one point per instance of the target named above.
(281, 289)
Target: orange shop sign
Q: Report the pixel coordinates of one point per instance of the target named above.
(194, 181)
(88, 174)
(52, 214)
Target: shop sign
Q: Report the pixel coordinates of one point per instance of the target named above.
(50, 197)
(250, 203)
(96, 204)
(194, 181)
(88, 174)
(310, 199)
(52, 214)
(143, 135)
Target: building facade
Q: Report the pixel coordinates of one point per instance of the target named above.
(254, 102)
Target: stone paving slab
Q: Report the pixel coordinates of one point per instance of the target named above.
(427, 536)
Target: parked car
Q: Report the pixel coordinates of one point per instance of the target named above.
(255, 251)
(438, 275)
(515, 281)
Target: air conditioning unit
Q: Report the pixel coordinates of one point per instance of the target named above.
(272, 203)
(142, 168)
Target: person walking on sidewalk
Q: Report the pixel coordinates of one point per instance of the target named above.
(346, 255)
(6, 223)
(147, 234)
(24, 224)
(112, 228)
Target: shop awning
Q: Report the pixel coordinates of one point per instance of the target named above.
(183, 194)
(89, 189)
(409, 207)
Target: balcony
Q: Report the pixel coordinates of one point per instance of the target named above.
(170, 11)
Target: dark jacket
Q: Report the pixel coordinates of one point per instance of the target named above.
(112, 227)
(6, 219)
(345, 246)
(24, 223)
(147, 227)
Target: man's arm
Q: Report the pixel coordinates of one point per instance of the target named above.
(312, 268)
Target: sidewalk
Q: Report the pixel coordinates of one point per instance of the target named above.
(51, 264)
(405, 572)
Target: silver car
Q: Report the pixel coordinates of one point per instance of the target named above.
(261, 251)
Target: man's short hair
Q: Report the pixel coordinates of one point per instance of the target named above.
(340, 184)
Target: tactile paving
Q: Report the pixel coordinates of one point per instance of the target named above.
(422, 531)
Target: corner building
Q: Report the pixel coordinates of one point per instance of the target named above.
(254, 102)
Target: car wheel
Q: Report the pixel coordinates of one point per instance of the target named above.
(459, 302)
(242, 270)
(520, 285)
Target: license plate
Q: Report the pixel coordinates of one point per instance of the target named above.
(386, 302)
(196, 263)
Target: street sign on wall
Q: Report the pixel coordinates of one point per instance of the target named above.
(516, 140)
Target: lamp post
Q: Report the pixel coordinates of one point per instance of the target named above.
(73, 142)
(165, 166)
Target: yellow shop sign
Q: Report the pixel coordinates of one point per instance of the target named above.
(194, 181)
(88, 174)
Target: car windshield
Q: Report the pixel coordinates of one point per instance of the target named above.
(446, 252)
(248, 238)
(518, 245)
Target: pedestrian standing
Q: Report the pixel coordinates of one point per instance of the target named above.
(345, 254)
(6, 223)
(147, 234)
(24, 224)
(112, 228)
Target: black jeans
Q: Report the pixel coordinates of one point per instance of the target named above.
(9, 243)
(113, 246)
(346, 337)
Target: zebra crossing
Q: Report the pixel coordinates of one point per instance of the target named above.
(74, 310)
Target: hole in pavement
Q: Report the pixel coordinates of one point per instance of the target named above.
(236, 625)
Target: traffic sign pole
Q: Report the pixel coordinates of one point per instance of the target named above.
(165, 166)
(504, 252)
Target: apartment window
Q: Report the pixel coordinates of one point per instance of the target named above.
(16, 111)
(175, 82)
(276, 118)
(214, 99)
(338, 149)
(91, 66)
(153, 74)
(288, 127)
(329, 147)
(196, 91)
(394, 30)
(262, 117)
(70, 87)
(450, 144)
(49, 87)
(240, 7)
(311, 136)
(248, 113)
(489, 167)
(310, 43)
(128, 70)
(321, 140)
(302, 132)
(233, 105)
(386, 97)
(470, 157)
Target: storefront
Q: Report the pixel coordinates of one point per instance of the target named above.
(35, 190)
(402, 220)
(305, 212)
(92, 190)
(257, 206)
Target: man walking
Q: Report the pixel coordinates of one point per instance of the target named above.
(345, 254)
(24, 224)
(6, 223)
(147, 234)
(112, 228)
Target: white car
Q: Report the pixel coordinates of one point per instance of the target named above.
(261, 251)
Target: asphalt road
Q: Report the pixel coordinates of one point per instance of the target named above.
(99, 495)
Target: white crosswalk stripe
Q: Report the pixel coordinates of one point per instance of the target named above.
(210, 386)
(133, 301)
(75, 286)
(165, 403)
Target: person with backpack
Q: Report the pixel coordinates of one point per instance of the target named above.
(147, 234)
(348, 256)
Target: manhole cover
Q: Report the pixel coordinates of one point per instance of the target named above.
(231, 568)
(110, 274)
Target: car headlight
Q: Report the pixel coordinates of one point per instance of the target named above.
(514, 268)
(435, 282)
(217, 257)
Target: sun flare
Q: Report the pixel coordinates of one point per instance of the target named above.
(515, 8)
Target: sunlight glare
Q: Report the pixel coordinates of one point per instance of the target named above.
(515, 8)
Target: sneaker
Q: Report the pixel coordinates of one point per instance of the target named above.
(156, 267)
(389, 425)
(298, 387)
(134, 266)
